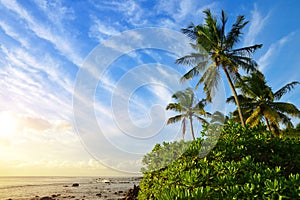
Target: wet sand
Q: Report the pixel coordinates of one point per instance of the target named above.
(90, 188)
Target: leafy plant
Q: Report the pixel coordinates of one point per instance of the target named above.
(245, 164)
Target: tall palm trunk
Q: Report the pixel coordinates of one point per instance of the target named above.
(235, 96)
(192, 128)
(268, 123)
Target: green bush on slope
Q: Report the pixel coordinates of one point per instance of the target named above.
(245, 164)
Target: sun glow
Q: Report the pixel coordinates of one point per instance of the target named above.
(8, 123)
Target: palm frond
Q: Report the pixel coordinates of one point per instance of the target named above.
(174, 106)
(235, 33)
(217, 117)
(211, 23)
(284, 119)
(185, 98)
(190, 31)
(287, 108)
(191, 98)
(210, 79)
(276, 128)
(175, 119)
(246, 63)
(255, 86)
(199, 107)
(246, 51)
(192, 59)
(222, 29)
(288, 87)
(271, 114)
(195, 71)
(190, 74)
(255, 117)
(186, 107)
(202, 120)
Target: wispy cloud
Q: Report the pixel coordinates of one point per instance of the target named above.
(100, 30)
(182, 13)
(56, 12)
(29, 81)
(61, 42)
(131, 11)
(272, 51)
(14, 34)
(257, 23)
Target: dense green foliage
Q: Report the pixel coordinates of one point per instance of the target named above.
(246, 163)
(292, 132)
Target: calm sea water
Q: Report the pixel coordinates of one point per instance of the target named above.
(21, 188)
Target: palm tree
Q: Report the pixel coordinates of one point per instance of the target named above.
(216, 50)
(187, 108)
(259, 103)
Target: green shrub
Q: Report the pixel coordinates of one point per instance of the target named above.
(245, 164)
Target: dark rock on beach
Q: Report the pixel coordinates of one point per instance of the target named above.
(132, 193)
(75, 185)
(99, 195)
(47, 198)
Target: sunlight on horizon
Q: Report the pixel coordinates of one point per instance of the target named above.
(8, 124)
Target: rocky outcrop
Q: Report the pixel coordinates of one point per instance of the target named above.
(132, 193)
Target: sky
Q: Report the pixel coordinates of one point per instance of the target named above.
(84, 84)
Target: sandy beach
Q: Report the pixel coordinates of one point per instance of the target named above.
(58, 188)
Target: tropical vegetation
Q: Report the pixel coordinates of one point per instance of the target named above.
(188, 109)
(259, 102)
(216, 49)
(246, 163)
(249, 160)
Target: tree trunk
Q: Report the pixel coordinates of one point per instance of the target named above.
(235, 96)
(268, 124)
(192, 128)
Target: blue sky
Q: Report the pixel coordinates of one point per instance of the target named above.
(44, 45)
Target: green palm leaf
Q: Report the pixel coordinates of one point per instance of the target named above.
(255, 117)
(175, 119)
(288, 87)
(187, 106)
(258, 101)
(211, 36)
(287, 108)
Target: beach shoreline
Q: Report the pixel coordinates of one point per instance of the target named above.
(82, 188)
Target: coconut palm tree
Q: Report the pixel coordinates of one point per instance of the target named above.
(216, 50)
(259, 103)
(188, 109)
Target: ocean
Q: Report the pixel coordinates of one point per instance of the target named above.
(34, 188)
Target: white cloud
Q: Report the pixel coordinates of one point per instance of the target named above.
(11, 32)
(100, 30)
(257, 24)
(272, 51)
(182, 13)
(35, 83)
(130, 10)
(61, 42)
(56, 12)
